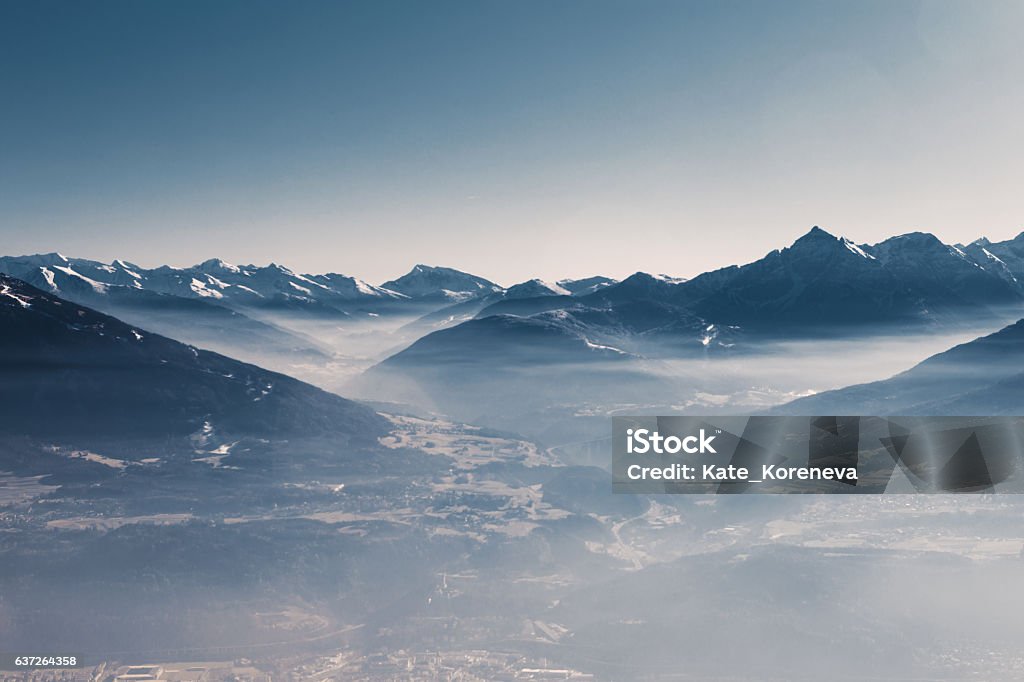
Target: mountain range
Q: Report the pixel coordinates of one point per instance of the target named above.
(821, 286)
(241, 286)
(527, 363)
(920, 272)
(457, 324)
(823, 282)
(252, 291)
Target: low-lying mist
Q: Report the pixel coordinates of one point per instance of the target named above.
(562, 402)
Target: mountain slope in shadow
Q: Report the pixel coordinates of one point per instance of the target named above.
(981, 377)
(69, 370)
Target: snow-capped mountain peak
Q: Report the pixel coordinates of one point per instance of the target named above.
(213, 280)
(432, 282)
(215, 265)
(536, 287)
(587, 285)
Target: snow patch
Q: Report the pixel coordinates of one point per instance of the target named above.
(223, 265)
(307, 280)
(98, 287)
(124, 266)
(457, 296)
(856, 249)
(90, 457)
(202, 437)
(554, 288)
(217, 283)
(245, 288)
(365, 289)
(597, 346)
(216, 456)
(22, 301)
(201, 289)
(48, 276)
(992, 256)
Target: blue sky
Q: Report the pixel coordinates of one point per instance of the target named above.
(512, 139)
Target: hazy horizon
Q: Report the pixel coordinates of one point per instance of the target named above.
(511, 140)
(413, 264)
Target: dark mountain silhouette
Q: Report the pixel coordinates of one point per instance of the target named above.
(69, 370)
(981, 377)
